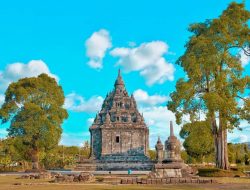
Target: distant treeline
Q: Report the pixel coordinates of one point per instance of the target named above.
(61, 157)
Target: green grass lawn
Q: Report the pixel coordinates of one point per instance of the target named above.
(7, 182)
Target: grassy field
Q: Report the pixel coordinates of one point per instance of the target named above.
(11, 182)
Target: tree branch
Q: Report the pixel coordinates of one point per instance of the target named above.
(244, 99)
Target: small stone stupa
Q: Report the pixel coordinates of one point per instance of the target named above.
(172, 148)
(169, 162)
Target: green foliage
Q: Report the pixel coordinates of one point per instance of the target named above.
(185, 157)
(152, 154)
(34, 107)
(214, 72)
(215, 81)
(215, 172)
(65, 156)
(238, 153)
(198, 139)
(8, 154)
(85, 150)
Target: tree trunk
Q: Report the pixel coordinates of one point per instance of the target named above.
(215, 135)
(220, 145)
(222, 154)
(34, 159)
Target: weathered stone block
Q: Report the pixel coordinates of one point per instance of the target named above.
(139, 180)
(124, 181)
(134, 181)
(144, 181)
(153, 181)
(158, 181)
(194, 180)
(129, 181)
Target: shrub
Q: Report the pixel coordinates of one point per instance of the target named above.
(215, 172)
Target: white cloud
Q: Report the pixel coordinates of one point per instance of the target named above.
(15, 71)
(142, 97)
(90, 121)
(97, 45)
(158, 120)
(77, 103)
(74, 139)
(244, 125)
(244, 58)
(240, 139)
(156, 115)
(148, 60)
(1, 99)
(3, 133)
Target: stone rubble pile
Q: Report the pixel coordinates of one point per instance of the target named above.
(61, 178)
(42, 175)
(82, 177)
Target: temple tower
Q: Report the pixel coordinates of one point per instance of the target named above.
(119, 131)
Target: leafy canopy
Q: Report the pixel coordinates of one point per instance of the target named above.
(34, 108)
(215, 80)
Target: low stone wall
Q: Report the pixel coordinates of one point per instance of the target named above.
(165, 181)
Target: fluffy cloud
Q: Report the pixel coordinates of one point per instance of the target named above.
(244, 58)
(156, 115)
(1, 99)
(148, 60)
(142, 97)
(77, 103)
(97, 45)
(13, 72)
(158, 120)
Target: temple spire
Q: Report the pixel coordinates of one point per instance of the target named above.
(119, 73)
(119, 81)
(171, 129)
(159, 140)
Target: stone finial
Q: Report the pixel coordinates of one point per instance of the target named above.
(171, 129)
(159, 150)
(159, 140)
(159, 144)
(107, 119)
(119, 73)
(119, 82)
(133, 102)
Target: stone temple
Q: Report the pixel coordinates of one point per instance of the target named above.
(119, 135)
(120, 140)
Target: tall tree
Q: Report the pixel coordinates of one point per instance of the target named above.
(198, 139)
(215, 81)
(34, 107)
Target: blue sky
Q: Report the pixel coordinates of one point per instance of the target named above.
(83, 43)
